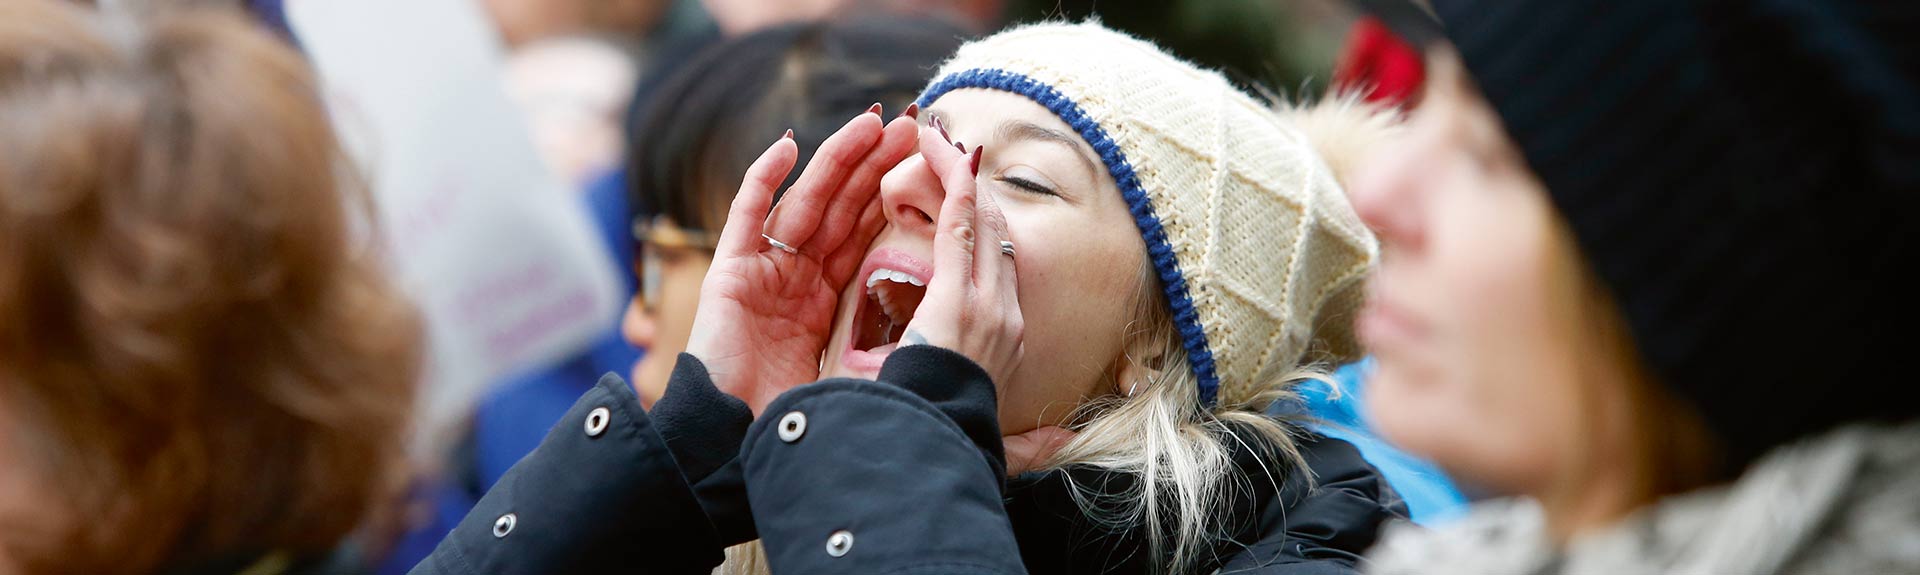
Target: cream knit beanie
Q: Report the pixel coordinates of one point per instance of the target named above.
(1260, 253)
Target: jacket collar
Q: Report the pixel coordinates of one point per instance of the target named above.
(1056, 536)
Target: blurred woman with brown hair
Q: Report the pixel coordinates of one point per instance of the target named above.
(202, 366)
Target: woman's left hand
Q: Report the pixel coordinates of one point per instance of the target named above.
(765, 311)
(972, 305)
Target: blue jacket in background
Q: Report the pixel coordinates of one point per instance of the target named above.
(1430, 496)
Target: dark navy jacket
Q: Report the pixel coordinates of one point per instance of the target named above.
(902, 475)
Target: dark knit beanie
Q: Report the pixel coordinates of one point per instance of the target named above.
(1743, 176)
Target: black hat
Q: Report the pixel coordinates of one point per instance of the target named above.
(1412, 23)
(1743, 176)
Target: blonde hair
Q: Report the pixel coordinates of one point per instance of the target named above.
(1180, 451)
(1158, 431)
(748, 558)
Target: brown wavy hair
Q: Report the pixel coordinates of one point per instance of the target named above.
(201, 356)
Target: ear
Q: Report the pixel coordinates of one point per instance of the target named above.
(1139, 367)
(1130, 376)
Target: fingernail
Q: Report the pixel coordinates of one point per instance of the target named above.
(913, 111)
(874, 109)
(960, 146)
(937, 125)
(976, 159)
(789, 134)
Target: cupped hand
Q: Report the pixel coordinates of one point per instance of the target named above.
(972, 305)
(765, 311)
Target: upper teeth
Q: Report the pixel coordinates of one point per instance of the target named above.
(892, 276)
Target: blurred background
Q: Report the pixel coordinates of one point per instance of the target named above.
(504, 142)
(573, 65)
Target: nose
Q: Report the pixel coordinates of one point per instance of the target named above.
(1384, 195)
(636, 325)
(911, 195)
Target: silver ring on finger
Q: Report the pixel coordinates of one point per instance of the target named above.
(1006, 247)
(779, 244)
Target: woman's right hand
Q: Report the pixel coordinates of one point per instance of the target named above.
(766, 311)
(972, 305)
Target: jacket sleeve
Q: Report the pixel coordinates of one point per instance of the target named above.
(613, 488)
(1322, 527)
(903, 475)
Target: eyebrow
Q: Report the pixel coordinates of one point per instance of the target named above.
(1020, 130)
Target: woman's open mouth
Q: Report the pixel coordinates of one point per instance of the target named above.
(893, 284)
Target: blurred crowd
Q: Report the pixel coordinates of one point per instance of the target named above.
(1310, 286)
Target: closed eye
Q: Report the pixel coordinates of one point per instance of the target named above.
(1029, 186)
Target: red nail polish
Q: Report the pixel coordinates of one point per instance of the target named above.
(874, 109)
(937, 125)
(976, 159)
(913, 111)
(789, 134)
(960, 146)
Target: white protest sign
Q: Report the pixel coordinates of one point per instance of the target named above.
(500, 257)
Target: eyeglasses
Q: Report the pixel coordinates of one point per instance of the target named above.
(652, 239)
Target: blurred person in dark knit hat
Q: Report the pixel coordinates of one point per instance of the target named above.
(1640, 271)
(203, 368)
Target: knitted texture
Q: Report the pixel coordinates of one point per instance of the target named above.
(1260, 255)
(1742, 176)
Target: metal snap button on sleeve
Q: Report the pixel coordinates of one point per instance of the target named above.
(840, 543)
(597, 421)
(792, 426)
